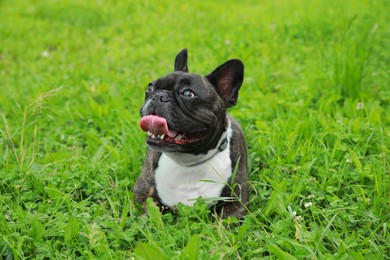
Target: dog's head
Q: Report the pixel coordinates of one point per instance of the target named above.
(185, 112)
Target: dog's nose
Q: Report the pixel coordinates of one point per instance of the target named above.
(161, 96)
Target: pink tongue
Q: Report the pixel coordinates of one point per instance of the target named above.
(156, 125)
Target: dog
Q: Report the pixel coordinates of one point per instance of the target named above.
(195, 149)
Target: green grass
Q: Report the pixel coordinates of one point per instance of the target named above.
(314, 106)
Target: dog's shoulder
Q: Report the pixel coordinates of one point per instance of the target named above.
(237, 140)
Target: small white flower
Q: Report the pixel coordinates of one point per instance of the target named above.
(359, 106)
(311, 196)
(349, 160)
(227, 42)
(45, 54)
(308, 204)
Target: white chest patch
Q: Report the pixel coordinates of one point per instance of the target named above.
(178, 183)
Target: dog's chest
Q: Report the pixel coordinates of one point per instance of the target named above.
(177, 183)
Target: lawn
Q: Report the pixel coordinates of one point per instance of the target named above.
(314, 107)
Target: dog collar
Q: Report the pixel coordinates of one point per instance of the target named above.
(223, 145)
(189, 160)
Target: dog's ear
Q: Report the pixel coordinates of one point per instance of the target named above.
(181, 61)
(227, 79)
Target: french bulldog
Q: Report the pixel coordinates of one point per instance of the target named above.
(195, 149)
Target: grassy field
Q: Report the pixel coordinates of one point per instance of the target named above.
(315, 107)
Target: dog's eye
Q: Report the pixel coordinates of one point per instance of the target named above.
(188, 93)
(150, 87)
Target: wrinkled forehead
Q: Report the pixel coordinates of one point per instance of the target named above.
(180, 79)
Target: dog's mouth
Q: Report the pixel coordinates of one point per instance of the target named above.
(179, 139)
(158, 132)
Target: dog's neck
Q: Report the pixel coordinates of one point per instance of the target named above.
(189, 160)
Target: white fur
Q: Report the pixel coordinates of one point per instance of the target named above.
(176, 182)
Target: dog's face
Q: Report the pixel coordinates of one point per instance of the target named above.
(185, 112)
